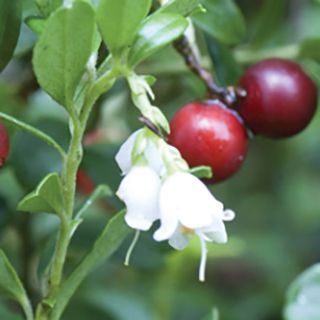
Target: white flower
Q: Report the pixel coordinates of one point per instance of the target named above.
(124, 155)
(187, 207)
(156, 185)
(139, 189)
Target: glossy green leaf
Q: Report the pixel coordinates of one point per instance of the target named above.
(303, 296)
(10, 283)
(46, 198)
(183, 7)
(46, 7)
(119, 21)
(63, 50)
(223, 20)
(10, 20)
(110, 239)
(156, 32)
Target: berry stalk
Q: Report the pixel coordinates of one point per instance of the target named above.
(228, 95)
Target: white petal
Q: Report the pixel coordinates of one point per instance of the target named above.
(154, 158)
(169, 223)
(136, 220)
(139, 189)
(186, 197)
(216, 232)
(123, 156)
(179, 240)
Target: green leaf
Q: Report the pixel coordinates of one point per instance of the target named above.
(36, 24)
(226, 69)
(270, 19)
(110, 239)
(119, 21)
(46, 198)
(10, 20)
(223, 20)
(156, 32)
(313, 70)
(10, 283)
(183, 7)
(46, 7)
(34, 131)
(202, 172)
(63, 50)
(310, 48)
(214, 315)
(8, 315)
(303, 296)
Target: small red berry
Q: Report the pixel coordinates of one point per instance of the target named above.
(85, 184)
(207, 133)
(4, 144)
(281, 98)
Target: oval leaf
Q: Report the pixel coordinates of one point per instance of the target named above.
(303, 296)
(119, 21)
(46, 198)
(223, 20)
(157, 31)
(9, 280)
(64, 47)
(10, 20)
(183, 7)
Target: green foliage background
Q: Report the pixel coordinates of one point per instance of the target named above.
(276, 233)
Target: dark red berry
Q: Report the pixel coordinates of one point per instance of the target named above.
(281, 98)
(4, 144)
(207, 133)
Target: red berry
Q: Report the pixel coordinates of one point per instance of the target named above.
(207, 133)
(281, 99)
(85, 184)
(4, 144)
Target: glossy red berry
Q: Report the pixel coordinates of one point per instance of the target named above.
(281, 98)
(207, 133)
(4, 144)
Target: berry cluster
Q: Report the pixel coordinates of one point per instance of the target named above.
(280, 101)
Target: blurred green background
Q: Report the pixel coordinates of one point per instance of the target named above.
(276, 194)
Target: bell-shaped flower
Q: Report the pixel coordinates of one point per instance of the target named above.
(187, 207)
(150, 151)
(139, 190)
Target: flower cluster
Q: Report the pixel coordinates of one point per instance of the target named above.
(157, 185)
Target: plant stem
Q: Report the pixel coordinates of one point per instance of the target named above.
(228, 95)
(68, 176)
(27, 308)
(110, 239)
